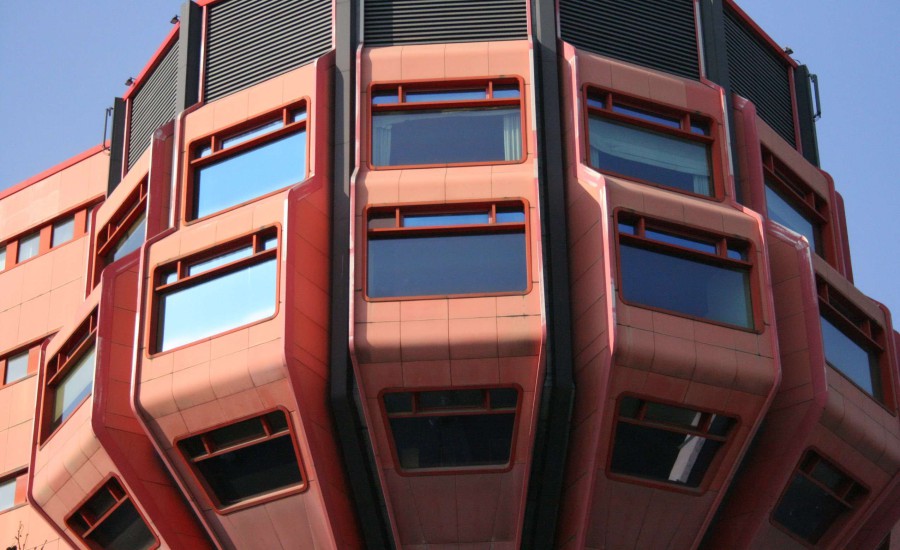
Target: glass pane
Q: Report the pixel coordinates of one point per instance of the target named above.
(807, 510)
(693, 244)
(646, 115)
(445, 95)
(627, 227)
(204, 151)
(398, 402)
(505, 92)
(124, 529)
(383, 97)
(444, 265)
(250, 174)
(298, 115)
(2, 257)
(719, 425)
(828, 476)
(446, 136)
(16, 367)
(194, 312)
(453, 441)
(193, 446)
(427, 220)
(73, 388)
(852, 359)
(701, 128)
(29, 246)
(250, 134)
(598, 102)
(662, 455)
(270, 242)
(63, 231)
(277, 422)
(222, 259)
(737, 253)
(629, 407)
(131, 240)
(781, 211)
(99, 504)
(456, 399)
(678, 416)
(504, 398)
(695, 288)
(7, 494)
(235, 434)
(510, 215)
(651, 156)
(252, 471)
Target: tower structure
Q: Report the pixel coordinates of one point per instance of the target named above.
(416, 274)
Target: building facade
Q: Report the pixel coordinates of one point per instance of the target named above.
(248, 321)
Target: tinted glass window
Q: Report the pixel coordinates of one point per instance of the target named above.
(124, 529)
(7, 493)
(190, 313)
(29, 246)
(63, 231)
(685, 285)
(244, 176)
(807, 510)
(781, 211)
(651, 156)
(852, 359)
(16, 367)
(131, 240)
(449, 264)
(446, 136)
(453, 441)
(662, 455)
(74, 386)
(2, 257)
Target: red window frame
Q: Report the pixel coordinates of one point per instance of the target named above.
(45, 236)
(214, 141)
(211, 451)
(601, 102)
(803, 198)
(33, 349)
(110, 235)
(82, 522)
(722, 242)
(57, 366)
(20, 481)
(404, 87)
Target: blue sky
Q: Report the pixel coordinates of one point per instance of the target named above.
(63, 62)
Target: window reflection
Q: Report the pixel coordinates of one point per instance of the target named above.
(29, 246)
(858, 363)
(73, 388)
(63, 231)
(782, 211)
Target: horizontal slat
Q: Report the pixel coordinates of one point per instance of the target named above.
(153, 105)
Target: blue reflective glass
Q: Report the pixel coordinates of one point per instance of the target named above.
(297, 116)
(74, 386)
(131, 240)
(651, 156)
(382, 98)
(447, 136)
(646, 115)
(444, 265)
(505, 92)
(445, 95)
(671, 282)
(852, 359)
(510, 216)
(238, 298)
(701, 128)
(627, 227)
(702, 246)
(597, 102)
(2, 257)
(63, 231)
(250, 134)
(29, 246)
(242, 177)
(16, 367)
(427, 220)
(781, 211)
(222, 259)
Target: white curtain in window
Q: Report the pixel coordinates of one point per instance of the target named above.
(512, 136)
(381, 144)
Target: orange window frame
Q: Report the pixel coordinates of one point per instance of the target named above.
(206, 150)
(401, 89)
(33, 349)
(83, 522)
(802, 197)
(45, 236)
(56, 368)
(110, 235)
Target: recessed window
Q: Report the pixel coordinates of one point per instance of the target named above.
(12, 491)
(126, 230)
(452, 428)
(29, 246)
(189, 292)
(14, 366)
(248, 459)
(445, 250)
(666, 443)
(681, 270)
(2, 257)
(418, 124)
(237, 166)
(818, 495)
(70, 374)
(108, 520)
(791, 203)
(63, 231)
(661, 147)
(40, 240)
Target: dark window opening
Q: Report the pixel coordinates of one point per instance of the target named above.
(108, 520)
(70, 375)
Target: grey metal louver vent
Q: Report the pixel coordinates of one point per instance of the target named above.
(660, 34)
(153, 105)
(392, 22)
(249, 41)
(760, 75)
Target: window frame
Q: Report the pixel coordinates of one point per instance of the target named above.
(59, 365)
(19, 479)
(722, 243)
(449, 85)
(214, 140)
(460, 207)
(263, 498)
(451, 411)
(180, 266)
(44, 231)
(116, 489)
(865, 332)
(109, 236)
(707, 414)
(33, 350)
(810, 458)
(685, 119)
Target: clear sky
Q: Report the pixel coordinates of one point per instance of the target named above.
(62, 62)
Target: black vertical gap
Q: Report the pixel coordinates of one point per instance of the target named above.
(190, 37)
(117, 145)
(351, 432)
(551, 441)
(806, 115)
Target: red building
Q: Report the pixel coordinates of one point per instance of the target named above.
(470, 275)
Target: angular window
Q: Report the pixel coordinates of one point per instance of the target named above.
(685, 271)
(793, 204)
(236, 166)
(39, 240)
(248, 459)
(851, 342)
(70, 375)
(452, 428)
(189, 304)
(816, 499)
(29, 246)
(446, 250)
(15, 366)
(63, 231)
(666, 443)
(108, 520)
(126, 230)
(446, 123)
(661, 147)
(12, 491)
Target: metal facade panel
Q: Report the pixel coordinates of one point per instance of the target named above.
(249, 41)
(391, 22)
(760, 75)
(153, 105)
(660, 34)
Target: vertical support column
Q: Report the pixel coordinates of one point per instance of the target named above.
(806, 115)
(117, 145)
(190, 36)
